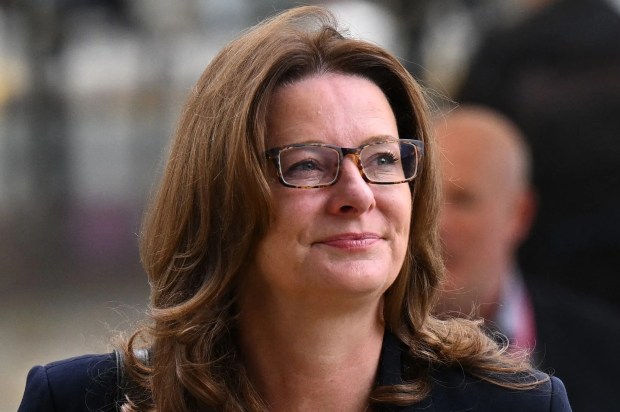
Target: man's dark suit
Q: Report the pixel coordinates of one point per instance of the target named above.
(578, 340)
(89, 383)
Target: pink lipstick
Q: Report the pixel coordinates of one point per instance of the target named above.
(351, 240)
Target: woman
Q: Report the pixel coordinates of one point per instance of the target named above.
(292, 249)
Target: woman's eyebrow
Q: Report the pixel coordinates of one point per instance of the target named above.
(371, 139)
(381, 138)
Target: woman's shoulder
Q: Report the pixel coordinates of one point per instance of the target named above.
(456, 388)
(88, 382)
(453, 388)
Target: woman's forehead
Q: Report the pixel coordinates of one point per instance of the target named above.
(324, 107)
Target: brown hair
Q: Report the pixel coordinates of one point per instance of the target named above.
(213, 206)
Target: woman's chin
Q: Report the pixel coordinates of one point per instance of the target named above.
(355, 279)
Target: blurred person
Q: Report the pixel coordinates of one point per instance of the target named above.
(487, 211)
(557, 76)
(292, 250)
(489, 205)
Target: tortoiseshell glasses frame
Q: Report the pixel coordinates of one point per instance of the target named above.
(314, 165)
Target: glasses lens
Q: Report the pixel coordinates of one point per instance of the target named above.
(389, 162)
(308, 166)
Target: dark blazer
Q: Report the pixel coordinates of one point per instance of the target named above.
(85, 383)
(578, 337)
(90, 383)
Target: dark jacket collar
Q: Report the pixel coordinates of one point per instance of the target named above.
(391, 373)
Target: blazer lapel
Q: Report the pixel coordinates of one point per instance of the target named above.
(390, 373)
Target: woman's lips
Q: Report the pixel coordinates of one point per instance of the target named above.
(351, 240)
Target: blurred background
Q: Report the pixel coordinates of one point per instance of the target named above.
(90, 91)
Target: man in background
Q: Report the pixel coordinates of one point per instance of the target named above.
(557, 76)
(489, 206)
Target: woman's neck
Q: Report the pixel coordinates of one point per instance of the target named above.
(307, 358)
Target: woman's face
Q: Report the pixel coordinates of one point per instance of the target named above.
(344, 240)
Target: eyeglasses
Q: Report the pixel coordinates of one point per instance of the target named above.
(312, 165)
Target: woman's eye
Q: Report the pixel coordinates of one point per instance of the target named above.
(384, 159)
(304, 166)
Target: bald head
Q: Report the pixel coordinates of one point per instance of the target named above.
(476, 135)
(488, 205)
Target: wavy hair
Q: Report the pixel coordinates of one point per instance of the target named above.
(213, 206)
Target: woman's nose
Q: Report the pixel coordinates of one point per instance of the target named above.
(351, 193)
